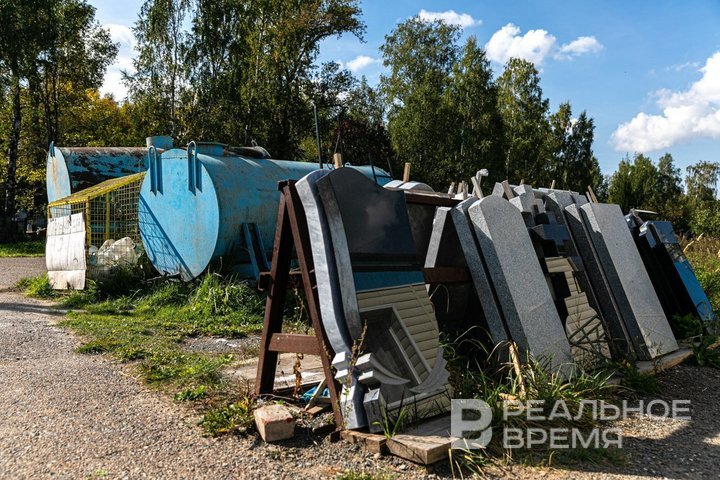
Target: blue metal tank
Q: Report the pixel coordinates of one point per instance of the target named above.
(196, 203)
(70, 169)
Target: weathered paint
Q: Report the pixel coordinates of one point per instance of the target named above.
(70, 169)
(188, 222)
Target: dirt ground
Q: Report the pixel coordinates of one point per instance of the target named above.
(66, 415)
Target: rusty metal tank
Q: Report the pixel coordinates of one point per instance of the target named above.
(70, 169)
(196, 205)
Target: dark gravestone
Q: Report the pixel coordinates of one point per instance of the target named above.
(330, 300)
(675, 283)
(385, 303)
(634, 295)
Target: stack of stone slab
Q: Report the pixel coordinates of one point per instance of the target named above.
(373, 301)
(675, 283)
(557, 275)
(565, 273)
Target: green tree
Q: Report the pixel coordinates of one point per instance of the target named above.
(364, 136)
(420, 57)
(51, 52)
(473, 96)
(572, 163)
(254, 66)
(160, 68)
(701, 181)
(668, 198)
(633, 184)
(524, 112)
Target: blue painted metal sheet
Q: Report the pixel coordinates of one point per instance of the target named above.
(70, 169)
(195, 201)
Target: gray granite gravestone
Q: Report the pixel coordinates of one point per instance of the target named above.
(619, 336)
(478, 270)
(644, 319)
(458, 309)
(522, 290)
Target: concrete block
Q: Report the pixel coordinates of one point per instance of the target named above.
(274, 422)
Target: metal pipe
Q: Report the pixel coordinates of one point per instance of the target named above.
(317, 135)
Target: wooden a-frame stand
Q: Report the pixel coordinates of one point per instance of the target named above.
(292, 231)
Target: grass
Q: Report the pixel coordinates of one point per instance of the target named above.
(24, 248)
(36, 287)
(486, 377)
(704, 256)
(146, 324)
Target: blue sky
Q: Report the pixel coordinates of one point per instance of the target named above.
(648, 72)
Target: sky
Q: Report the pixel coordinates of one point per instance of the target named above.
(646, 71)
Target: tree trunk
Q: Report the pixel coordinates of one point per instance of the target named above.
(13, 142)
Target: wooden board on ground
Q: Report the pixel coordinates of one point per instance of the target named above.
(665, 362)
(425, 444)
(311, 371)
(370, 442)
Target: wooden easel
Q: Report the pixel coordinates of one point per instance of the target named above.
(292, 231)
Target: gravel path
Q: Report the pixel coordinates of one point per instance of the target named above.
(65, 415)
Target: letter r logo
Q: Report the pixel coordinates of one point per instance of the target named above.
(468, 418)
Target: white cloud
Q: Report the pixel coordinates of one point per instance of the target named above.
(113, 84)
(451, 17)
(579, 46)
(361, 62)
(535, 45)
(507, 43)
(686, 115)
(682, 66)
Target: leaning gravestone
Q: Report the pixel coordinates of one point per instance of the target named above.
(478, 271)
(632, 290)
(522, 290)
(458, 308)
(330, 300)
(386, 307)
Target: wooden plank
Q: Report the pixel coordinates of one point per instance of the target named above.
(293, 342)
(447, 275)
(368, 441)
(275, 303)
(665, 362)
(424, 450)
(437, 199)
(425, 444)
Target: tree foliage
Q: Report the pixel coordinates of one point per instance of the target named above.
(51, 53)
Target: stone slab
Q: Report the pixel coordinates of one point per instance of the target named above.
(522, 290)
(478, 270)
(632, 289)
(607, 306)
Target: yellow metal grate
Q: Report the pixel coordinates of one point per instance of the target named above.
(110, 210)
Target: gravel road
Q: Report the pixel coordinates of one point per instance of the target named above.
(65, 415)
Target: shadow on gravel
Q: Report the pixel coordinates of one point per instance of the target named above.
(30, 308)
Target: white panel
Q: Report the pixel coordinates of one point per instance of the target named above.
(65, 252)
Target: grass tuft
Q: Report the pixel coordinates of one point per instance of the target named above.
(236, 417)
(36, 287)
